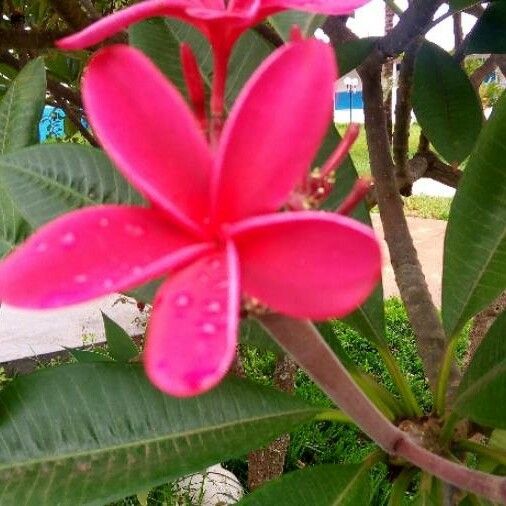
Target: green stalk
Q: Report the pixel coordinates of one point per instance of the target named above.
(493, 453)
(381, 397)
(409, 400)
(401, 485)
(444, 376)
(448, 428)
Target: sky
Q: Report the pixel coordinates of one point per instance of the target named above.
(370, 20)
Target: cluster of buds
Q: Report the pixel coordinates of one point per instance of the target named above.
(318, 185)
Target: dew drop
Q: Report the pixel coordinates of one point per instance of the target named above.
(41, 247)
(68, 239)
(134, 230)
(137, 271)
(182, 300)
(213, 307)
(104, 222)
(81, 278)
(208, 328)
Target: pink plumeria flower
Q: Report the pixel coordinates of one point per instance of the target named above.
(220, 21)
(213, 222)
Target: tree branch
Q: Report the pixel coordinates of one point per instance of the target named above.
(29, 39)
(423, 315)
(73, 13)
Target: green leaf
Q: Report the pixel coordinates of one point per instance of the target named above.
(13, 228)
(430, 492)
(352, 53)
(445, 103)
(119, 343)
(489, 32)
(482, 391)
(94, 433)
(48, 180)
(155, 38)
(21, 108)
(308, 23)
(324, 485)
(474, 267)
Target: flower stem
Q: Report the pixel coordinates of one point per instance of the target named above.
(444, 376)
(221, 57)
(301, 340)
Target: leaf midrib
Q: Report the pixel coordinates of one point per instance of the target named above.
(150, 441)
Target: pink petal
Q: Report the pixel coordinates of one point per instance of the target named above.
(114, 23)
(274, 130)
(92, 252)
(329, 7)
(192, 332)
(307, 264)
(148, 130)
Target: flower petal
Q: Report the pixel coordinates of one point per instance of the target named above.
(149, 132)
(336, 7)
(192, 332)
(114, 23)
(274, 130)
(308, 264)
(92, 252)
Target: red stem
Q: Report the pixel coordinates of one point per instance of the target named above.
(302, 340)
(221, 57)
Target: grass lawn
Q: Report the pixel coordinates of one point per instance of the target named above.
(420, 205)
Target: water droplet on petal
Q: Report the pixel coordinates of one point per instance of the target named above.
(182, 300)
(104, 222)
(68, 239)
(137, 271)
(208, 328)
(134, 230)
(41, 247)
(213, 307)
(81, 278)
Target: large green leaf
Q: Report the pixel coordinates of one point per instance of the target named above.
(21, 108)
(324, 485)
(20, 112)
(482, 391)
(156, 40)
(489, 33)
(474, 271)
(445, 103)
(308, 23)
(352, 53)
(13, 228)
(93, 433)
(48, 180)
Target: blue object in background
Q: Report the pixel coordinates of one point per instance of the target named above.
(52, 123)
(342, 100)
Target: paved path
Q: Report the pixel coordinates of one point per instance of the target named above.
(34, 333)
(428, 237)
